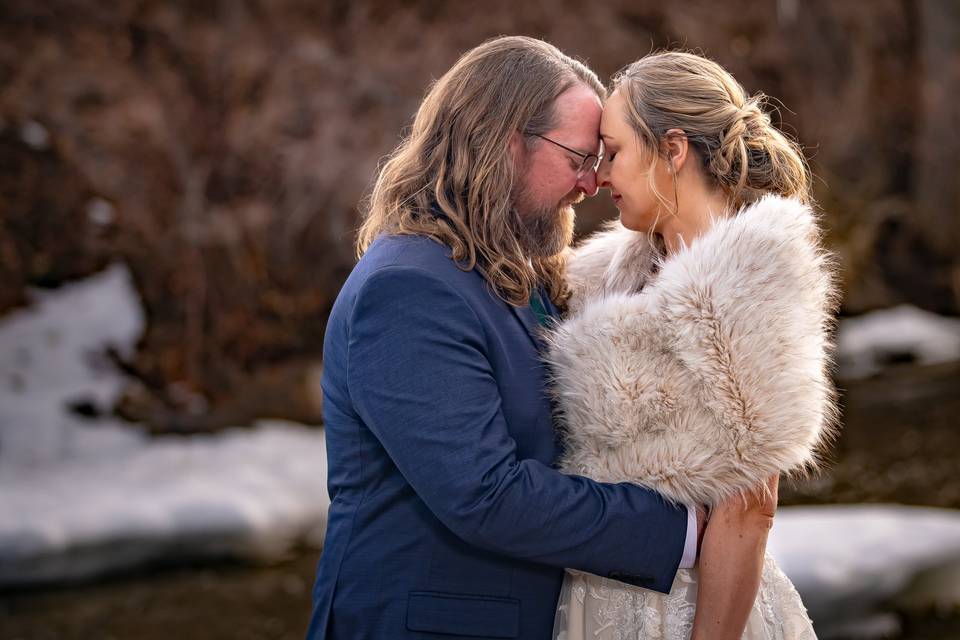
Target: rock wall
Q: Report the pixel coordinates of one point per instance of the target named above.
(221, 150)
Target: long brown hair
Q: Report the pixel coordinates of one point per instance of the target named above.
(453, 177)
(741, 152)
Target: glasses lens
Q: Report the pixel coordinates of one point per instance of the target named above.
(590, 163)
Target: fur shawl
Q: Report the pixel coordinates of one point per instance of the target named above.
(702, 374)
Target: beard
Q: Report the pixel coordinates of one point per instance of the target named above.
(544, 231)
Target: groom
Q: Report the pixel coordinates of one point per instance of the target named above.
(446, 516)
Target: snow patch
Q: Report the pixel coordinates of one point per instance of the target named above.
(867, 343)
(52, 355)
(850, 562)
(35, 135)
(82, 497)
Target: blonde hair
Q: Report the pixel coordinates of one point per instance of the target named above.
(740, 151)
(453, 177)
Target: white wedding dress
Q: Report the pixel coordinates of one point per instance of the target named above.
(595, 608)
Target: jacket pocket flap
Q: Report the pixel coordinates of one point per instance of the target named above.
(463, 615)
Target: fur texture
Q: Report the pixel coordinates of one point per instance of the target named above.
(701, 378)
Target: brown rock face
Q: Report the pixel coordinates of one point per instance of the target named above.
(232, 143)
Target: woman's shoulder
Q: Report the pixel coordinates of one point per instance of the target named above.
(775, 240)
(778, 216)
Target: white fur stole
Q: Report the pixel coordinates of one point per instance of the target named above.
(702, 379)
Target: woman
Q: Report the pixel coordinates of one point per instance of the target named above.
(694, 359)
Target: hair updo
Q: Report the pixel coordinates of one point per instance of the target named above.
(740, 151)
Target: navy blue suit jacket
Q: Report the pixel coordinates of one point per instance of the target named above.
(446, 515)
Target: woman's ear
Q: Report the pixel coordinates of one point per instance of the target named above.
(676, 148)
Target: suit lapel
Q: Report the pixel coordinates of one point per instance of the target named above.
(529, 321)
(528, 318)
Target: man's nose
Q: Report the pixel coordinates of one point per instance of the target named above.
(588, 184)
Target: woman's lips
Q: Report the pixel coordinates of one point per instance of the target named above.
(616, 198)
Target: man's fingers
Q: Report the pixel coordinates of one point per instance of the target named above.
(773, 483)
(761, 499)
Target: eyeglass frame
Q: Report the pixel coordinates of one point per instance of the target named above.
(584, 166)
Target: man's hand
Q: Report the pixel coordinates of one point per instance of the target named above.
(758, 506)
(753, 510)
(767, 500)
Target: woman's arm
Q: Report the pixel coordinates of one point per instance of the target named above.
(731, 562)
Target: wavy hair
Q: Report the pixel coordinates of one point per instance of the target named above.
(740, 151)
(453, 177)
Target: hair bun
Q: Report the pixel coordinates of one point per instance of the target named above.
(755, 120)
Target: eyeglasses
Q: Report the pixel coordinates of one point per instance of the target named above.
(590, 161)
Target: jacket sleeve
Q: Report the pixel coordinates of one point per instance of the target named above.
(420, 379)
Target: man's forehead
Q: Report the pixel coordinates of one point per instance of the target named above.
(578, 113)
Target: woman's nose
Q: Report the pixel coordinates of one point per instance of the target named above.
(603, 174)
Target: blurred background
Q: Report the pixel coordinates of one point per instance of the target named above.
(179, 189)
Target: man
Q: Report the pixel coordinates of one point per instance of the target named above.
(446, 516)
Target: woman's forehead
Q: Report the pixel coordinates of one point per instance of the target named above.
(612, 123)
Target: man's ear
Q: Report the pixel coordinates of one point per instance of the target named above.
(676, 149)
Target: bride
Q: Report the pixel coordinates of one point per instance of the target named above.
(694, 358)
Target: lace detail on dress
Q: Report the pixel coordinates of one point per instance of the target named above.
(595, 608)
